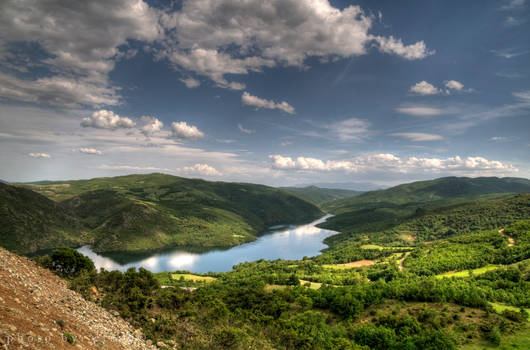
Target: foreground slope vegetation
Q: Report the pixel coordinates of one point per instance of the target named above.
(144, 212)
(444, 277)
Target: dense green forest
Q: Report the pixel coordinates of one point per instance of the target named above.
(143, 212)
(441, 275)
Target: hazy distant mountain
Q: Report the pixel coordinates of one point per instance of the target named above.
(318, 195)
(354, 186)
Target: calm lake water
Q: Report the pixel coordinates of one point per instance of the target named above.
(290, 243)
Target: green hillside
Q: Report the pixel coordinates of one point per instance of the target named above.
(318, 195)
(145, 212)
(452, 188)
(385, 209)
(30, 221)
(468, 289)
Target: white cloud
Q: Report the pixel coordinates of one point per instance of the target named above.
(418, 136)
(105, 119)
(218, 37)
(424, 88)
(454, 85)
(243, 130)
(250, 100)
(182, 130)
(59, 91)
(523, 95)
(191, 82)
(420, 111)
(390, 163)
(508, 53)
(81, 41)
(151, 126)
(352, 129)
(200, 169)
(39, 155)
(410, 52)
(88, 151)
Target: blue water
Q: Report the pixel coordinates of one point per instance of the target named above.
(289, 243)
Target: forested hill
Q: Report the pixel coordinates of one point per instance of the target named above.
(445, 188)
(145, 212)
(30, 221)
(318, 195)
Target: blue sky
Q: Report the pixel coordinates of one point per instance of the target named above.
(267, 91)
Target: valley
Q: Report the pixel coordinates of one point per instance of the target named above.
(446, 267)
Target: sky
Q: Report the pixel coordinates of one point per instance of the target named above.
(279, 92)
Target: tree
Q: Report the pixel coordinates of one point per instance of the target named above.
(67, 262)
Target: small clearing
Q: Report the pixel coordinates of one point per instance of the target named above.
(191, 277)
(312, 285)
(407, 237)
(467, 273)
(353, 264)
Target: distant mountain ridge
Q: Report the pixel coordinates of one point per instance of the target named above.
(433, 190)
(353, 186)
(318, 195)
(143, 212)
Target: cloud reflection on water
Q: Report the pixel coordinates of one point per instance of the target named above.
(290, 243)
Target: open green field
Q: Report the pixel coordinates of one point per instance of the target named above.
(467, 273)
(499, 308)
(191, 277)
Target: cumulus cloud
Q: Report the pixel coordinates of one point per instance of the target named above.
(183, 131)
(454, 85)
(243, 130)
(200, 169)
(391, 163)
(105, 119)
(218, 37)
(191, 82)
(410, 52)
(151, 126)
(420, 111)
(81, 42)
(39, 155)
(92, 151)
(250, 100)
(418, 136)
(424, 88)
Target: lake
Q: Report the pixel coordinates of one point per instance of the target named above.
(286, 242)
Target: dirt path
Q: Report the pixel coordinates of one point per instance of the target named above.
(511, 241)
(402, 260)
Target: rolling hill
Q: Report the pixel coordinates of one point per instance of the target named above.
(445, 188)
(383, 210)
(145, 212)
(318, 195)
(30, 222)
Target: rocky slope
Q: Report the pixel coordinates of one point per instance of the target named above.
(38, 311)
